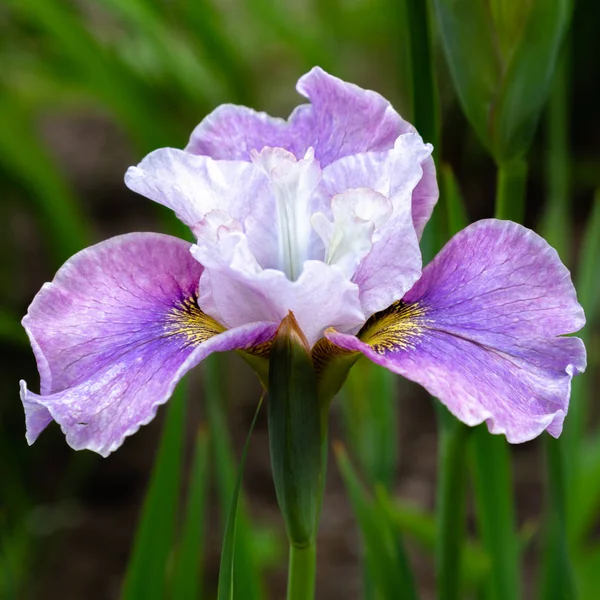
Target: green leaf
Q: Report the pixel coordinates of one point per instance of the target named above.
(587, 568)
(495, 512)
(228, 554)
(146, 573)
(421, 526)
(586, 483)
(557, 578)
(455, 205)
(450, 507)
(57, 209)
(511, 186)
(556, 223)
(249, 585)
(385, 557)
(295, 436)
(370, 409)
(187, 571)
(588, 281)
(476, 69)
(528, 77)
(502, 58)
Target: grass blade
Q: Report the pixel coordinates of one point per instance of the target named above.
(451, 507)
(20, 148)
(187, 573)
(146, 574)
(228, 554)
(495, 512)
(248, 578)
(384, 553)
(458, 217)
(370, 410)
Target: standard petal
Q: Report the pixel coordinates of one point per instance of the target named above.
(231, 132)
(405, 174)
(342, 119)
(114, 333)
(193, 186)
(480, 331)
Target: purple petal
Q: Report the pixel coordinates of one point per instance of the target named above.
(113, 334)
(480, 331)
(341, 120)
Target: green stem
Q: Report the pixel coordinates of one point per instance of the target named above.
(302, 572)
(495, 513)
(510, 190)
(557, 574)
(450, 508)
(425, 105)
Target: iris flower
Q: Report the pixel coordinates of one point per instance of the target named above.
(320, 215)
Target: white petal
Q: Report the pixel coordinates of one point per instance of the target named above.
(357, 215)
(293, 183)
(321, 297)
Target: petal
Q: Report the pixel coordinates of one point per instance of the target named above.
(480, 331)
(114, 333)
(231, 132)
(193, 186)
(341, 120)
(357, 214)
(293, 183)
(345, 119)
(321, 297)
(404, 174)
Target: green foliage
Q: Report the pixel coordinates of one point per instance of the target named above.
(248, 579)
(155, 68)
(493, 486)
(502, 57)
(370, 410)
(384, 552)
(187, 570)
(227, 579)
(147, 572)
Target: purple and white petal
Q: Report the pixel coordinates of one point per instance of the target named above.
(342, 119)
(192, 186)
(113, 334)
(320, 297)
(404, 174)
(357, 215)
(481, 331)
(285, 234)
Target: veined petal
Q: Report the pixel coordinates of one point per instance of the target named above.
(480, 331)
(113, 334)
(342, 119)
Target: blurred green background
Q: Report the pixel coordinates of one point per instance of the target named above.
(87, 88)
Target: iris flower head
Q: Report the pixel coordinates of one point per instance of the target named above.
(321, 215)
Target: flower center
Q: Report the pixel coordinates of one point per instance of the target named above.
(293, 183)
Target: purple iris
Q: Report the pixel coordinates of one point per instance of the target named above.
(320, 215)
